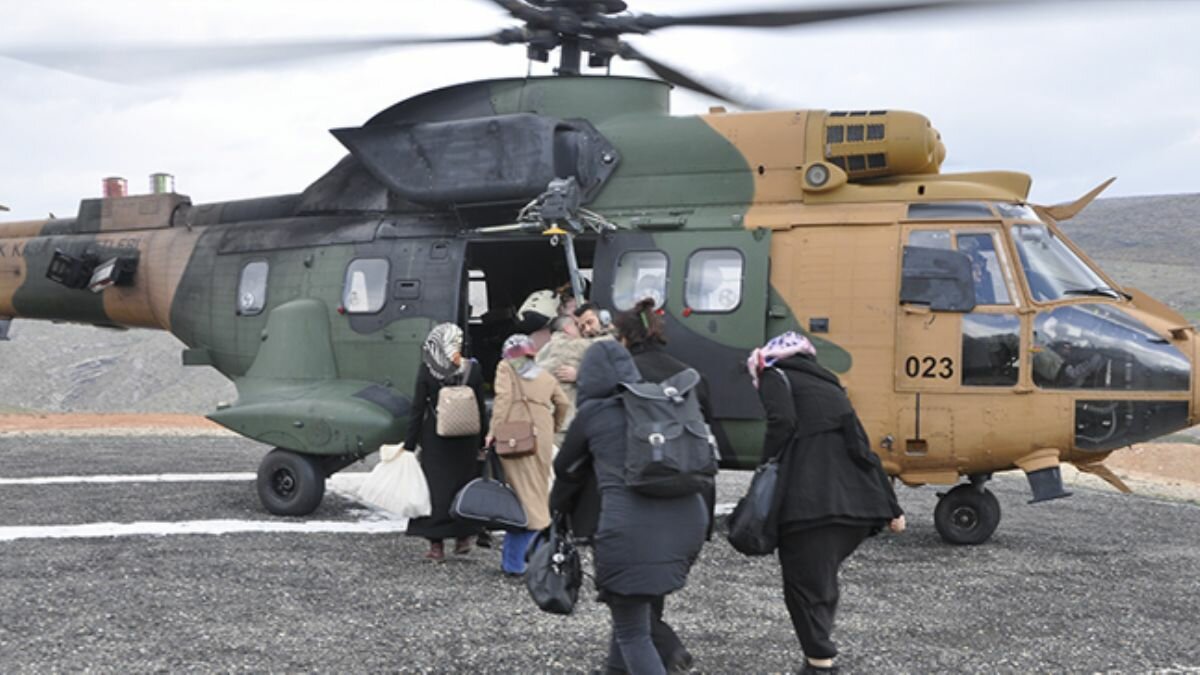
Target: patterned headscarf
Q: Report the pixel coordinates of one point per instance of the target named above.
(519, 351)
(780, 347)
(443, 342)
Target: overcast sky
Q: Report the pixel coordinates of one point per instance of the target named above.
(1071, 94)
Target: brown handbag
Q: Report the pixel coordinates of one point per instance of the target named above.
(516, 439)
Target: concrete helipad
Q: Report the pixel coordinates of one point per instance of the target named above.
(109, 561)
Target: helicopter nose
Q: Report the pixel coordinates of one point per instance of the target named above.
(1194, 413)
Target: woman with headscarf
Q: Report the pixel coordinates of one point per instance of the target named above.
(834, 491)
(525, 392)
(448, 463)
(644, 546)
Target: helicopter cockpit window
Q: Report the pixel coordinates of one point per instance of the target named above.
(252, 288)
(640, 275)
(714, 280)
(991, 350)
(931, 239)
(366, 286)
(944, 210)
(1016, 211)
(986, 270)
(1052, 269)
(1101, 347)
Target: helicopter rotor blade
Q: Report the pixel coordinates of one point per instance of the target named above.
(679, 78)
(800, 17)
(149, 62)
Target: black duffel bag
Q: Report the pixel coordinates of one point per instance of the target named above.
(753, 529)
(554, 572)
(490, 501)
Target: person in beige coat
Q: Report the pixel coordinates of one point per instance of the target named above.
(526, 392)
(560, 357)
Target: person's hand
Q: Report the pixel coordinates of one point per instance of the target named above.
(488, 441)
(897, 524)
(566, 373)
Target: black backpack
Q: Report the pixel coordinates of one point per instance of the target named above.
(670, 450)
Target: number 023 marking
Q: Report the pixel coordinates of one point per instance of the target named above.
(929, 367)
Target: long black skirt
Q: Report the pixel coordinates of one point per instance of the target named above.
(449, 464)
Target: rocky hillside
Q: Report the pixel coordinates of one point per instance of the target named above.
(1147, 242)
(68, 368)
(1151, 243)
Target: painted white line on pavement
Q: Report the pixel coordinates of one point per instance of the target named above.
(133, 478)
(207, 527)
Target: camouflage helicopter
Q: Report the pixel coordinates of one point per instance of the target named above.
(972, 335)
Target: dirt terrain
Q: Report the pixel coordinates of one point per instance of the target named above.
(108, 424)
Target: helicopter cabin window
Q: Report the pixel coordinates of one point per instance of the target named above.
(714, 280)
(1052, 269)
(477, 295)
(366, 286)
(991, 350)
(640, 275)
(252, 288)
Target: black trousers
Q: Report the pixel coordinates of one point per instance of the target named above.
(810, 560)
(666, 643)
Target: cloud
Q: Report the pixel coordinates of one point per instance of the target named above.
(1070, 94)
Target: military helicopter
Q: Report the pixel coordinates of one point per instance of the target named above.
(972, 335)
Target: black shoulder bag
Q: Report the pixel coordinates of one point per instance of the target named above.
(753, 525)
(554, 573)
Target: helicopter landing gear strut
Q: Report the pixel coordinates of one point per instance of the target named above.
(969, 513)
(290, 483)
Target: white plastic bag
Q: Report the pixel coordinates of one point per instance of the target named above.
(397, 484)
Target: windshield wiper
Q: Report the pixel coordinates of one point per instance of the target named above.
(1098, 290)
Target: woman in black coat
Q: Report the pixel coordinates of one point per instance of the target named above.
(835, 492)
(644, 334)
(448, 463)
(644, 546)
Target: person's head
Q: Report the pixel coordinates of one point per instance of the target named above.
(565, 324)
(537, 311)
(518, 346)
(605, 365)
(780, 347)
(442, 350)
(640, 326)
(566, 300)
(588, 315)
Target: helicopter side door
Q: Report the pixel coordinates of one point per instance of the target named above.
(960, 334)
(712, 288)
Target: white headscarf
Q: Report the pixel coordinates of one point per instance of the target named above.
(443, 342)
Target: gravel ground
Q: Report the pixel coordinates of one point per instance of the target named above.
(1094, 583)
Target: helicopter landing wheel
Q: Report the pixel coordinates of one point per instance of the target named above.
(290, 483)
(968, 514)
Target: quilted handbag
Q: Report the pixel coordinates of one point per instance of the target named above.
(457, 409)
(516, 439)
(554, 573)
(490, 502)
